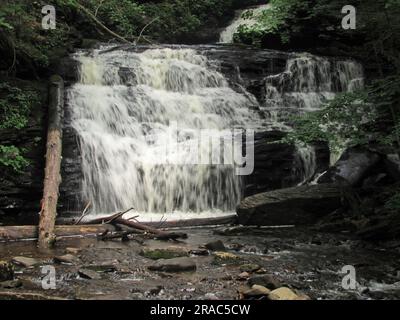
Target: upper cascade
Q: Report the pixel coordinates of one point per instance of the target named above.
(307, 83)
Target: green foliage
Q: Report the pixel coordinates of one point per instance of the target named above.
(278, 19)
(15, 106)
(347, 120)
(11, 157)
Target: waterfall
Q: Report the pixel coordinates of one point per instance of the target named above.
(307, 83)
(242, 18)
(125, 109)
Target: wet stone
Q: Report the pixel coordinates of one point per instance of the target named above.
(257, 290)
(11, 284)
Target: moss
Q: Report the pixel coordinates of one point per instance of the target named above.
(156, 254)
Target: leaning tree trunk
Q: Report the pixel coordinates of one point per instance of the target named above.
(52, 177)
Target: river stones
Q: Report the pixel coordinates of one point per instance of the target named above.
(89, 274)
(256, 290)
(163, 253)
(181, 264)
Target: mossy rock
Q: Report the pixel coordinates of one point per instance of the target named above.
(168, 253)
(221, 258)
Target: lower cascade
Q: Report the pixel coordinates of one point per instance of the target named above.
(125, 109)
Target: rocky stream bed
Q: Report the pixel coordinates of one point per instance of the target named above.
(213, 263)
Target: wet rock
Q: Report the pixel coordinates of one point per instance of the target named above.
(6, 271)
(265, 280)
(249, 267)
(282, 293)
(25, 261)
(173, 265)
(67, 259)
(11, 284)
(257, 290)
(302, 205)
(215, 246)
(161, 253)
(89, 274)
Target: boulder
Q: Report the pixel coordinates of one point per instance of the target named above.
(351, 167)
(282, 293)
(215, 246)
(173, 265)
(265, 280)
(301, 205)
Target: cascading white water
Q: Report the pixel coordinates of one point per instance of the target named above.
(124, 110)
(242, 18)
(307, 83)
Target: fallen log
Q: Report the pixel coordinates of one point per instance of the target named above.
(18, 233)
(52, 177)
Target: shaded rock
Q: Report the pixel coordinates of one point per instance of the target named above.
(265, 280)
(25, 261)
(6, 271)
(392, 164)
(215, 246)
(282, 293)
(352, 167)
(89, 274)
(174, 265)
(300, 205)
